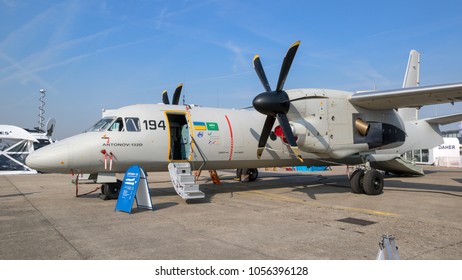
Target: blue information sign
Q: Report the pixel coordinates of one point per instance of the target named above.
(128, 190)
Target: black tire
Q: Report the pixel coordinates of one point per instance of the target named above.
(111, 190)
(253, 174)
(373, 182)
(238, 173)
(356, 181)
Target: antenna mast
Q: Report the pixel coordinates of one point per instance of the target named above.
(41, 110)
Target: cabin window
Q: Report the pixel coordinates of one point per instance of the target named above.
(132, 124)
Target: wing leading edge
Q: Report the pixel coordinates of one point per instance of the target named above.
(414, 97)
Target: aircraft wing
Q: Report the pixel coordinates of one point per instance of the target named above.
(408, 97)
(443, 120)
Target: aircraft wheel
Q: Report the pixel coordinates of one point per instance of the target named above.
(111, 190)
(253, 174)
(356, 181)
(373, 182)
(238, 174)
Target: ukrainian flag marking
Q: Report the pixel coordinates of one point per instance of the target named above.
(199, 126)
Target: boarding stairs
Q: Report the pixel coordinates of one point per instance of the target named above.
(184, 181)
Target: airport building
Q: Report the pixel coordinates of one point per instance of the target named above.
(447, 154)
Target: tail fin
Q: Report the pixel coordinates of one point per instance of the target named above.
(412, 76)
(411, 79)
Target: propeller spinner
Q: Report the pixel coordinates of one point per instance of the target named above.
(275, 104)
(176, 95)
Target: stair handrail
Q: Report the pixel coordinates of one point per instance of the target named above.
(200, 153)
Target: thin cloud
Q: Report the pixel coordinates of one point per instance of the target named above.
(65, 12)
(240, 55)
(82, 56)
(24, 73)
(166, 16)
(58, 48)
(27, 32)
(13, 4)
(30, 72)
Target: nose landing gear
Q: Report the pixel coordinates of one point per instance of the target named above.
(110, 190)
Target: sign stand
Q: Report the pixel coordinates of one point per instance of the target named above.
(134, 185)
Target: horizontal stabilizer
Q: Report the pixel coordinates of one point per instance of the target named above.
(443, 120)
(414, 97)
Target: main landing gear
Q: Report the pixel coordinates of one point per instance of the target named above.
(368, 181)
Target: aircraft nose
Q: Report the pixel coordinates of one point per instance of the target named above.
(51, 158)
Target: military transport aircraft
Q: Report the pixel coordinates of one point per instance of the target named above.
(314, 127)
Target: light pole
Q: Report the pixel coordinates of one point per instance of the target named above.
(42, 110)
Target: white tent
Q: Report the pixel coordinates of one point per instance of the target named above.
(15, 145)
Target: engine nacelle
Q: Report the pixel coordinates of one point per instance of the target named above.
(379, 135)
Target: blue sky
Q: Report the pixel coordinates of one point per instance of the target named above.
(90, 55)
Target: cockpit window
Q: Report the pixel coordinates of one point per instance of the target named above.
(118, 125)
(132, 124)
(102, 125)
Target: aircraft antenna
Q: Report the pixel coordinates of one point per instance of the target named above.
(41, 109)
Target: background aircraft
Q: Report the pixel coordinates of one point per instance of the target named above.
(314, 127)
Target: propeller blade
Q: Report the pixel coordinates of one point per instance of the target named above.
(275, 104)
(284, 123)
(165, 97)
(265, 133)
(288, 59)
(176, 94)
(260, 72)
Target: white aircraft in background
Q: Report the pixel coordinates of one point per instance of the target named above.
(314, 127)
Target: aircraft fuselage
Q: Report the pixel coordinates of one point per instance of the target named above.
(153, 135)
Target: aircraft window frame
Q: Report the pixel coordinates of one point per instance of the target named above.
(117, 125)
(132, 124)
(102, 125)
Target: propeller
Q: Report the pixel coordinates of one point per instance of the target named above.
(275, 104)
(176, 95)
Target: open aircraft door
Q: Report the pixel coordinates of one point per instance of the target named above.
(180, 155)
(179, 136)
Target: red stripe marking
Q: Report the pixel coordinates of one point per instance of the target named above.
(231, 148)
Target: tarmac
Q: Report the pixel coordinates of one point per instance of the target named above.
(283, 215)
